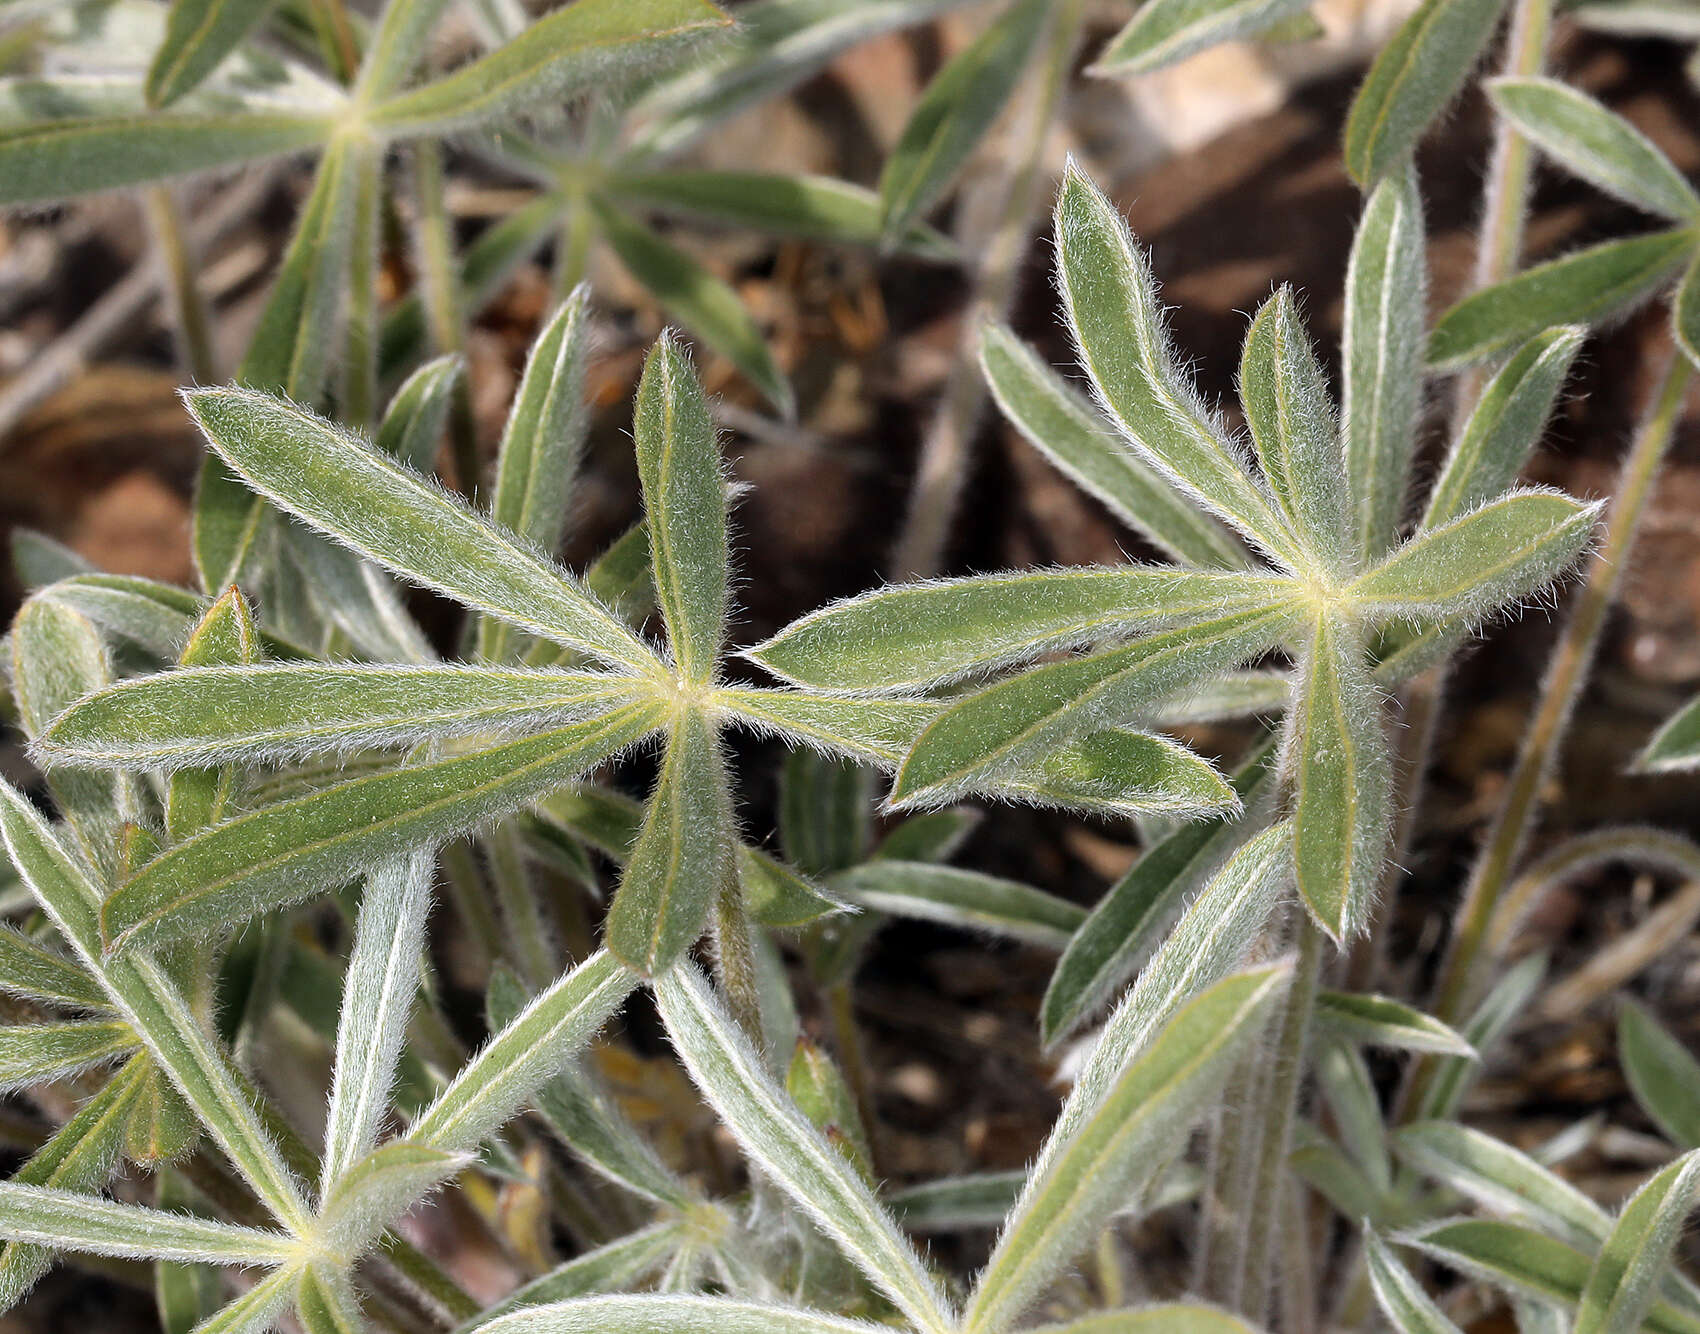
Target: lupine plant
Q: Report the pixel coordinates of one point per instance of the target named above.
(253, 792)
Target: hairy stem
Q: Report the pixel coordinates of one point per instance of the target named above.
(943, 466)
(530, 935)
(444, 319)
(1565, 677)
(1286, 1082)
(177, 264)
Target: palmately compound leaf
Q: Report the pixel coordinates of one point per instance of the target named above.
(779, 1139)
(683, 854)
(909, 636)
(953, 114)
(1112, 1151)
(1402, 1300)
(1068, 429)
(1502, 429)
(1587, 287)
(702, 302)
(652, 1313)
(197, 716)
(363, 499)
(1341, 774)
(377, 1002)
(1598, 145)
(294, 849)
(1111, 300)
(1626, 1275)
(566, 52)
(1292, 424)
(1491, 557)
(538, 459)
(1664, 1077)
(1520, 1260)
(1382, 357)
(1165, 31)
(1413, 79)
(684, 495)
(988, 735)
(523, 1056)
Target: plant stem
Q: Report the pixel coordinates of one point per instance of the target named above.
(444, 318)
(1287, 1078)
(943, 466)
(530, 937)
(1219, 1266)
(188, 307)
(472, 906)
(572, 249)
(1565, 677)
(735, 961)
(360, 382)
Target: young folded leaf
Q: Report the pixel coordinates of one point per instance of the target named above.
(70, 1220)
(909, 636)
(524, 1056)
(294, 849)
(226, 635)
(1626, 1275)
(1380, 1021)
(683, 853)
(1165, 31)
(263, 714)
(1413, 79)
(959, 105)
(1400, 1296)
(1587, 287)
(1473, 566)
(540, 443)
(1341, 776)
(1598, 145)
(1069, 430)
(966, 899)
(1663, 1076)
(412, 426)
(345, 488)
(1508, 419)
(989, 734)
(562, 54)
(684, 492)
(780, 1140)
(1110, 298)
(377, 1002)
(1113, 1151)
(1382, 357)
(1292, 425)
